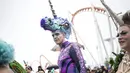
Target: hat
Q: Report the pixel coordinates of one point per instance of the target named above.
(56, 23)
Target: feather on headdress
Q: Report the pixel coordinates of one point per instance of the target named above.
(6, 53)
(56, 23)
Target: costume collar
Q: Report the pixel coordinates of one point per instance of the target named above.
(65, 44)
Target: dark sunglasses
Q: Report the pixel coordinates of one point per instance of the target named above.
(122, 33)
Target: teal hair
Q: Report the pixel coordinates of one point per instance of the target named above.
(6, 53)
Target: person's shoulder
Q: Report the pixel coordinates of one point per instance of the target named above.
(76, 44)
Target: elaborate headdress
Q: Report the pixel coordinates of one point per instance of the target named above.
(112, 14)
(6, 53)
(56, 23)
(126, 17)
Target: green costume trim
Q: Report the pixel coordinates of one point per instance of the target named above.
(16, 67)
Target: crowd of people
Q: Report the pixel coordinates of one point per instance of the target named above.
(70, 59)
(29, 69)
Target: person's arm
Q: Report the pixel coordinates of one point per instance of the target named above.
(76, 55)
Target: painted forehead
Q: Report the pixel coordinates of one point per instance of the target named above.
(124, 28)
(57, 31)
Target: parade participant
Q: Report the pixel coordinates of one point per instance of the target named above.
(123, 38)
(70, 59)
(7, 62)
(6, 57)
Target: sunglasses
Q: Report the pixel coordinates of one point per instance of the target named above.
(122, 33)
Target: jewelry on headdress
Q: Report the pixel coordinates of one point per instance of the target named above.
(56, 23)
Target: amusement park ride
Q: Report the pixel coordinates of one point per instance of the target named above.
(111, 16)
(92, 9)
(50, 67)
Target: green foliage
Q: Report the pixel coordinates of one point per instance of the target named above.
(111, 62)
(115, 62)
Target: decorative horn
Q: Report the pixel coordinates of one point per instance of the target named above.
(53, 11)
(112, 14)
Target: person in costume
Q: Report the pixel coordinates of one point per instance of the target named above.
(123, 38)
(70, 59)
(7, 62)
(6, 57)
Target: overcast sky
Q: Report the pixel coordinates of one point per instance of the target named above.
(20, 26)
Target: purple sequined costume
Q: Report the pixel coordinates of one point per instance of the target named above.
(70, 59)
